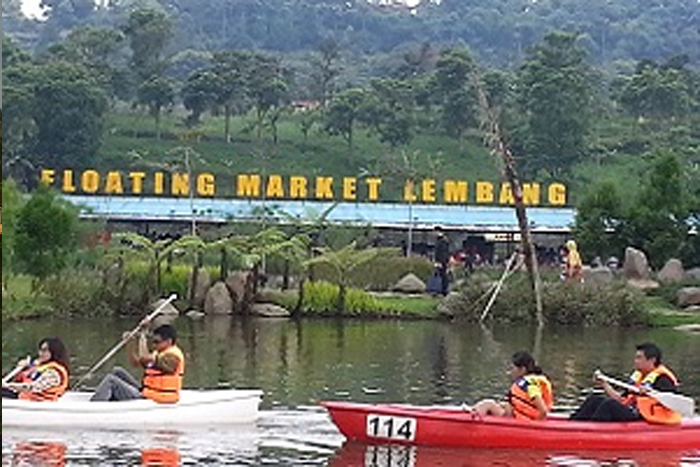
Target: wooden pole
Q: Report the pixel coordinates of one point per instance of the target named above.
(498, 146)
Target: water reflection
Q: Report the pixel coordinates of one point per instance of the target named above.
(361, 455)
(37, 454)
(160, 457)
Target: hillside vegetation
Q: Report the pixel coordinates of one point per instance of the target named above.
(124, 93)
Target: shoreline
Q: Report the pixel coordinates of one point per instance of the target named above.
(392, 306)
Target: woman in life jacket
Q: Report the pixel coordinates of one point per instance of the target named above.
(613, 406)
(44, 379)
(573, 266)
(530, 396)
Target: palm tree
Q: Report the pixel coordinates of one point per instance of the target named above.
(344, 262)
(271, 242)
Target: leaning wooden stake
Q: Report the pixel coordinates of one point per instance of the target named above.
(496, 290)
(498, 146)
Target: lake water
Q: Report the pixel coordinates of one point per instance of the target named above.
(298, 364)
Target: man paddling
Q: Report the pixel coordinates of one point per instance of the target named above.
(649, 373)
(164, 369)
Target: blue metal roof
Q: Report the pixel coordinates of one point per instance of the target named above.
(397, 215)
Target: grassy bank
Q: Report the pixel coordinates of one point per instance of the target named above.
(130, 142)
(20, 302)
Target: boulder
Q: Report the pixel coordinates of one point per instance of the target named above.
(201, 288)
(267, 295)
(689, 328)
(194, 314)
(597, 276)
(643, 284)
(410, 283)
(238, 284)
(167, 315)
(613, 263)
(671, 272)
(218, 300)
(636, 266)
(168, 309)
(269, 310)
(693, 274)
(688, 296)
(451, 306)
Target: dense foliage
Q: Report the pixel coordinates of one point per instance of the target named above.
(499, 31)
(658, 220)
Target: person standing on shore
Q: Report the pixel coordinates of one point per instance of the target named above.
(442, 259)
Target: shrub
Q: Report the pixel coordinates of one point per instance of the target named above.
(563, 303)
(382, 273)
(175, 280)
(358, 302)
(76, 292)
(322, 298)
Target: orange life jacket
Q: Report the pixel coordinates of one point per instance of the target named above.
(48, 394)
(523, 406)
(649, 408)
(164, 387)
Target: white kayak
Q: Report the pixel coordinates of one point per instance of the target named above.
(196, 408)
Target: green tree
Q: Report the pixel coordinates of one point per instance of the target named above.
(11, 54)
(46, 235)
(555, 91)
(149, 32)
(660, 92)
(62, 106)
(95, 48)
(199, 94)
(19, 131)
(325, 70)
(343, 113)
(454, 93)
(598, 216)
(11, 205)
(157, 94)
(388, 110)
(658, 221)
(267, 86)
(230, 85)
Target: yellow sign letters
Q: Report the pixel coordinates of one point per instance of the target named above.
(296, 187)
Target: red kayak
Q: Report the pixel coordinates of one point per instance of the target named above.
(453, 427)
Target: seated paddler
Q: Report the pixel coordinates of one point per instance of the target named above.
(163, 366)
(529, 397)
(42, 379)
(613, 406)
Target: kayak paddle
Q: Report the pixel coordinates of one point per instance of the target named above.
(10, 376)
(676, 402)
(124, 340)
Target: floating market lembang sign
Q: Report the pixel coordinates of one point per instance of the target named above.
(297, 187)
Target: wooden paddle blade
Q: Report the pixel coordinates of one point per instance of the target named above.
(678, 403)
